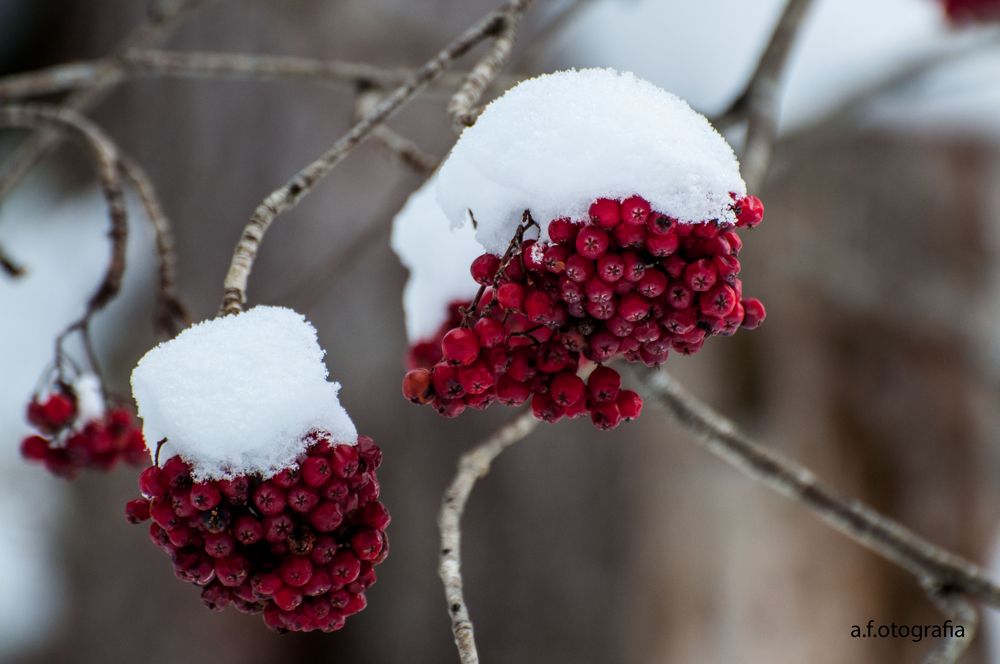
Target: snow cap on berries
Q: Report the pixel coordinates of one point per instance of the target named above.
(236, 395)
(438, 259)
(552, 143)
(89, 400)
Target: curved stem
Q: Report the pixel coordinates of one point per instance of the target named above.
(473, 465)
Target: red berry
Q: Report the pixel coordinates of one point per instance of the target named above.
(630, 235)
(606, 416)
(605, 213)
(603, 384)
(629, 404)
(635, 210)
(633, 307)
(204, 496)
(460, 346)
(610, 267)
(137, 511)
(269, 499)
(59, 410)
(718, 302)
(417, 386)
(555, 258)
(489, 331)
(566, 388)
(367, 543)
(316, 471)
(562, 231)
(662, 244)
(700, 275)
(591, 242)
(579, 268)
(749, 211)
(660, 224)
(754, 313)
(34, 448)
(484, 269)
(326, 517)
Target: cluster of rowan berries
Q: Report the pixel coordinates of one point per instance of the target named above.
(65, 445)
(300, 547)
(963, 11)
(629, 283)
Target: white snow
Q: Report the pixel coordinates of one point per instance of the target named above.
(89, 402)
(235, 395)
(438, 258)
(554, 143)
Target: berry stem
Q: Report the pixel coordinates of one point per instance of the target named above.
(471, 466)
(513, 250)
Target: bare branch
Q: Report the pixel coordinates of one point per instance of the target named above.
(932, 566)
(406, 151)
(138, 63)
(472, 466)
(103, 80)
(171, 313)
(758, 103)
(462, 106)
(287, 197)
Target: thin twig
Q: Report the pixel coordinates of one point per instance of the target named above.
(960, 610)
(758, 103)
(105, 155)
(287, 197)
(171, 313)
(933, 566)
(140, 63)
(472, 466)
(104, 78)
(406, 151)
(66, 121)
(462, 105)
(10, 266)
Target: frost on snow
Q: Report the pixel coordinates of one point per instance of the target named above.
(438, 258)
(235, 395)
(555, 143)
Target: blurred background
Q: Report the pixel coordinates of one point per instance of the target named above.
(878, 367)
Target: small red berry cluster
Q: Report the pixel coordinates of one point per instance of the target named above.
(961, 11)
(300, 547)
(65, 446)
(630, 283)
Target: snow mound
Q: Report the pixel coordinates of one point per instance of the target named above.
(555, 143)
(438, 258)
(235, 395)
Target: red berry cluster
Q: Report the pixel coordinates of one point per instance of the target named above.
(300, 547)
(66, 446)
(427, 353)
(629, 283)
(961, 11)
